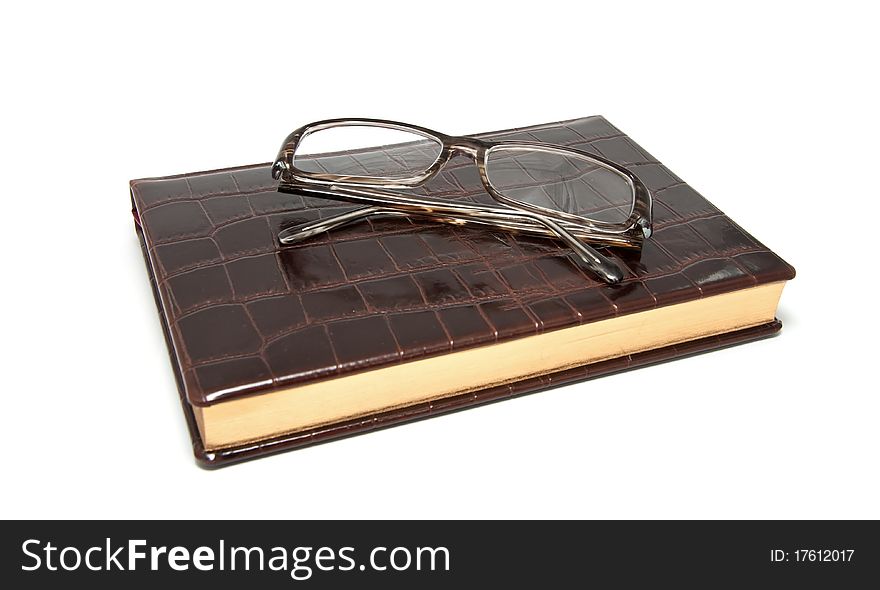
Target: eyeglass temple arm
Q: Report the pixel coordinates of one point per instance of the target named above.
(594, 262)
(589, 258)
(300, 233)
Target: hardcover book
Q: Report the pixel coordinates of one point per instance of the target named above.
(398, 319)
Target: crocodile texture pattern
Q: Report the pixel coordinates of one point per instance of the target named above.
(244, 315)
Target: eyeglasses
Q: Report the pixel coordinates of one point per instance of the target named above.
(539, 189)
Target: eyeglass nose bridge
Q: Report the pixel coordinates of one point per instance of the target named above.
(464, 145)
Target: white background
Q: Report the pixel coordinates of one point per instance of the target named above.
(769, 109)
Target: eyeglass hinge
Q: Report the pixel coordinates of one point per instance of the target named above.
(279, 168)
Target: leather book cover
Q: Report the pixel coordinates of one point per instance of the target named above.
(243, 316)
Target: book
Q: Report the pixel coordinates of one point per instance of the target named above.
(397, 319)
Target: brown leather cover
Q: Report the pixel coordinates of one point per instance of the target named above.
(243, 316)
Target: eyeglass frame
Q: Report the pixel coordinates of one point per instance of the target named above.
(514, 215)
